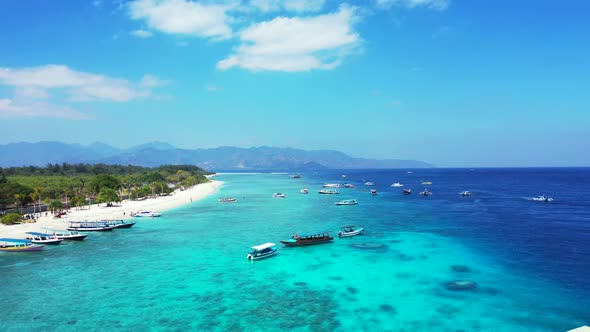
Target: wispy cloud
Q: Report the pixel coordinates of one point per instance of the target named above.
(183, 17)
(298, 6)
(212, 88)
(430, 4)
(141, 33)
(11, 109)
(296, 44)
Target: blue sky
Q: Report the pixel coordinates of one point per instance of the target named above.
(455, 83)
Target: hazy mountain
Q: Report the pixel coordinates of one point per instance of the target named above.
(158, 153)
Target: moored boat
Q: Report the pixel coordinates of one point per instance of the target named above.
(541, 198)
(308, 239)
(145, 213)
(369, 183)
(466, 193)
(304, 191)
(226, 200)
(407, 191)
(347, 202)
(295, 176)
(42, 238)
(349, 185)
(373, 192)
(397, 185)
(262, 251)
(19, 245)
(331, 185)
(348, 231)
(426, 182)
(118, 223)
(69, 235)
(328, 192)
(279, 195)
(89, 226)
(426, 192)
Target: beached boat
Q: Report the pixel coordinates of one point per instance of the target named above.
(328, 192)
(348, 231)
(331, 185)
(42, 238)
(69, 235)
(466, 193)
(349, 185)
(397, 185)
(426, 192)
(262, 251)
(373, 192)
(541, 198)
(150, 214)
(407, 191)
(226, 200)
(279, 195)
(118, 223)
(19, 245)
(308, 239)
(347, 202)
(89, 226)
(304, 191)
(369, 183)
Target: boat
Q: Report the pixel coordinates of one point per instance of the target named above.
(466, 193)
(328, 191)
(19, 245)
(279, 195)
(348, 231)
(295, 176)
(89, 226)
(119, 223)
(226, 200)
(369, 183)
(304, 191)
(308, 239)
(426, 192)
(262, 251)
(426, 182)
(397, 185)
(407, 191)
(42, 238)
(331, 185)
(349, 185)
(541, 198)
(373, 192)
(69, 235)
(145, 213)
(347, 202)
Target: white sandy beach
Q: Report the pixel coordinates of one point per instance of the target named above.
(100, 211)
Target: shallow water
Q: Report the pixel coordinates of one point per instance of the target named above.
(188, 270)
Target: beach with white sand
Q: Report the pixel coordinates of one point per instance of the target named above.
(121, 210)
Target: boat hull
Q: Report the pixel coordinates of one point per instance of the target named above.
(290, 243)
(262, 256)
(91, 229)
(73, 237)
(50, 242)
(23, 249)
(126, 225)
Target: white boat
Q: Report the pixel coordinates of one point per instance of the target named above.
(331, 185)
(347, 202)
(369, 183)
(42, 238)
(90, 226)
(68, 235)
(373, 192)
(397, 185)
(349, 185)
(426, 182)
(328, 191)
(295, 176)
(348, 231)
(304, 191)
(142, 214)
(541, 198)
(466, 193)
(279, 195)
(227, 200)
(426, 192)
(262, 251)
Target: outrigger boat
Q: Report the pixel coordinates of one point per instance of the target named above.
(19, 245)
(68, 235)
(308, 239)
(119, 223)
(328, 191)
(347, 202)
(262, 251)
(43, 238)
(348, 231)
(90, 226)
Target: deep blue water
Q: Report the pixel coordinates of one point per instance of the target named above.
(187, 271)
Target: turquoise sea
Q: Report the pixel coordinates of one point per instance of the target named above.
(187, 271)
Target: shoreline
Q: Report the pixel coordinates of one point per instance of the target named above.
(119, 211)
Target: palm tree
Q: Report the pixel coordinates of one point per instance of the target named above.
(20, 199)
(36, 195)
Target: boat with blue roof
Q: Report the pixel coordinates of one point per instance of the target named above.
(308, 239)
(19, 245)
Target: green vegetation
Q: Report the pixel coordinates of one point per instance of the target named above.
(67, 185)
(11, 219)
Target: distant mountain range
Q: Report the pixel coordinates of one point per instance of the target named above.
(222, 158)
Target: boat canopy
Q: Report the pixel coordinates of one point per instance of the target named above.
(14, 240)
(38, 234)
(264, 246)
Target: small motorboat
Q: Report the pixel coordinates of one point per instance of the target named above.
(466, 193)
(331, 185)
(328, 191)
(304, 191)
(151, 214)
(19, 245)
(397, 185)
(295, 176)
(541, 198)
(373, 192)
(369, 183)
(226, 200)
(407, 191)
(43, 238)
(426, 182)
(426, 192)
(347, 202)
(349, 185)
(262, 251)
(348, 231)
(279, 195)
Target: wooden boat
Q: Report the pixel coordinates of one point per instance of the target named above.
(262, 251)
(89, 226)
(119, 223)
(348, 231)
(308, 239)
(69, 235)
(19, 245)
(328, 191)
(407, 191)
(347, 202)
(226, 200)
(42, 238)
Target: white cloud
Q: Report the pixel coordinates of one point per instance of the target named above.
(183, 17)
(151, 81)
(289, 5)
(430, 4)
(80, 86)
(141, 33)
(212, 88)
(296, 44)
(10, 109)
(30, 92)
